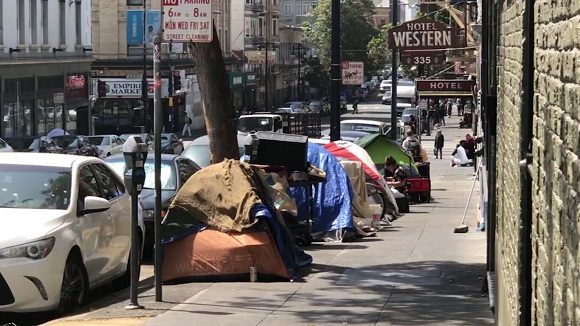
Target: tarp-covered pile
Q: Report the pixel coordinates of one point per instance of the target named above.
(223, 222)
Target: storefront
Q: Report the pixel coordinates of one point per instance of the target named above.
(37, 97)
(119, 108)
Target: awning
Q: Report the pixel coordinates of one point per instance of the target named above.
(445, 94)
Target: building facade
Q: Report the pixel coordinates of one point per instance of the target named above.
(296, 12)
(531, 101)
(255, 40)
(44, 66)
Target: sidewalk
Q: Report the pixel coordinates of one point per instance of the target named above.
(416, 272)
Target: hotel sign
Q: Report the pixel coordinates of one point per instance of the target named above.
(445, 85)
(422, 34)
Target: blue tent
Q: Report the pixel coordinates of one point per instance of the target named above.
(331, 200)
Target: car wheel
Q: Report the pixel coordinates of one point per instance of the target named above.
(108, 154)
(74, 285)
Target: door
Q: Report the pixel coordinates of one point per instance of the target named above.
(117, 235)
(93, 229)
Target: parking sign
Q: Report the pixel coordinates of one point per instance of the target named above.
(187, 21)
(352, 72)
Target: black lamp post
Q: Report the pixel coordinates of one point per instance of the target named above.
(299, 50)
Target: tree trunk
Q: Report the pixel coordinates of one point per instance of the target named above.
(216, 101)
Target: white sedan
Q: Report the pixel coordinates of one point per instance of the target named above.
(108, 144)
(4, 147)
(64, 228)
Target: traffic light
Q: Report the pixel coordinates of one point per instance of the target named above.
(176, 81)
(101, 88)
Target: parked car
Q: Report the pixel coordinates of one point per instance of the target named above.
(145, 137)
(198, 150)
(319, 106)
(368, 126)
(76, 145)
(171, 144)
(107, 144)
(4, 147)
(347, 135)
(41, 144)
(296, 106)
(68, 230)
(175, 170)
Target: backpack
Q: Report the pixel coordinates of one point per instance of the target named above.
(415, 149)
(189, 121)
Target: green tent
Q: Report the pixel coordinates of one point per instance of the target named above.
(379, 147)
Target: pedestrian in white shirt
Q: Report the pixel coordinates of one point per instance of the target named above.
(459, 155)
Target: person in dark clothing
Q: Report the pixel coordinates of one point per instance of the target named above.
(398, 179)
(439, 142)
(355, 106)
(470, 146)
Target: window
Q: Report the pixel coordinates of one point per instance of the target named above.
(88, 186)
(62, 18)
(44, 4)
(106, 181)
(288, 9)
(78, 18)
(186, 170)
(134, 2)
(274, 27)
(21, 22)
(33, 23)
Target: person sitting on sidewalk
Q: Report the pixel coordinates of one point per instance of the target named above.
(395, 176)
(459, 155)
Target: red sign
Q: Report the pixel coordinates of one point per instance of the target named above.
(445, 85)
(422, 34)
(75, 87)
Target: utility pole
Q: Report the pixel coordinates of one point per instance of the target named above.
(335, 79)
(297, 50)
(266, 79)
(394, 76)
(144, 84)
(158, 124)
(172, 116)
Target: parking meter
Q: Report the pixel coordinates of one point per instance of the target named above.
(135, 153)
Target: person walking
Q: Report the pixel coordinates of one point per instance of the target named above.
(439, 141)
(355, 106)
(187, 126)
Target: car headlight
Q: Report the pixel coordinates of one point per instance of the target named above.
(148, 213)
(33, 250)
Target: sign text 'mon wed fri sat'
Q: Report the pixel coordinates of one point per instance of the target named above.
(187, 21)
(422, 34)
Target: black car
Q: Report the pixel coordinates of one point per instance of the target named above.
(42, 144)
(76, 145)
(175, 170)
(171, 144)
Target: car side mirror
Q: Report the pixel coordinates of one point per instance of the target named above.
(95, 205)
(180, 141)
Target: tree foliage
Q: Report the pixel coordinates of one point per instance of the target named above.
(356, 31)
(378, 50)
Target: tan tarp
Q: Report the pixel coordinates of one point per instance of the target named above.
(220, 195)
(211, 253)
(361, 211)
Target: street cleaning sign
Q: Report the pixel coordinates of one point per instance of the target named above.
(187, 21)
(352, 72)
(423, 34)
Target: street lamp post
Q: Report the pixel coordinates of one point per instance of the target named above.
(299, 51)
(266, 46)
(144, 84)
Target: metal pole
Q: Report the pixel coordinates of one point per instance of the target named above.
(299, 72)
(394, 74)
(335, 79)
(266, 81)
(134, 294)
(171, 126)
(144, 84)
(158, 124)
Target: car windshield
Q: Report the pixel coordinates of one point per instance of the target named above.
(34, 187)
(98, 140)
(359, 127)
(248, 124)
(168, 175)
(294, 105)
(200, 154)
(66, 142)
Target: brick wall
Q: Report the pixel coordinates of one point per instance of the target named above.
(556, 179)
(556, 167)
(508, 148)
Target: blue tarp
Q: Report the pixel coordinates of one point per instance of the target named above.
(331, 200)
(293, 257)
